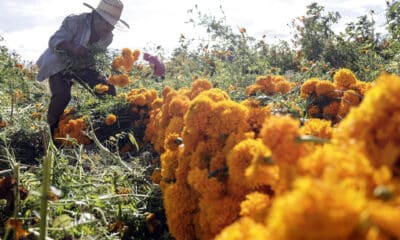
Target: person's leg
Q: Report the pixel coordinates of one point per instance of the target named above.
(60, 87)
(92, 78)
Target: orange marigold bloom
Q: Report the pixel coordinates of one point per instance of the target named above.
(308, 87)
(240, 158)
(117, 62)
(373, 126)
(199, 86)
(120, 80)
(344, 78)
(256, 206)
(101, 88)
(110, 119)
(279, 134)
(324, 87)
(227, 117)
(282, 87)
(310, 210)
(244, 229)
(331, 110)
(317, 127)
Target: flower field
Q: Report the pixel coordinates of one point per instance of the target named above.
(242, 140)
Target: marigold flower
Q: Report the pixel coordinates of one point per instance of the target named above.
(110, 119)
(279, 134)
(199, 86)
(256, 206)
(310, 210)
(344, 78)
(317, 127)
(120, 80)
(101, 88)
(373, 126)
(244, 229)
(308, 87)
(324, 87)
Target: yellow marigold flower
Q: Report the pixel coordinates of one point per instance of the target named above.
(344, 78)
(308, 87)
(240, 158)
(179, 106)
(361, 87)
(198, 115)
(242, 30)
(317, 127)
(279, 134)
(126, 52)
(215, 94)
(204, 185)
(386, 217)
(227, 117)
(244, 229)
(310, 211)
(351, 97)
(256, 206)
(166, 91)
(101, 88)
(110, 119)
(117, 62)
(333, 163)
(373, 126)
(180, 217)
(324, 87)
(120, 80)
(216, 214)
(199, 86)
(257, 114)
(140, 100)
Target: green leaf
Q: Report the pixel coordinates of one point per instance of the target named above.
(310, 138)
(132, 139)
(62, 221)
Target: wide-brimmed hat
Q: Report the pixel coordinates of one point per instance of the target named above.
(110, 10)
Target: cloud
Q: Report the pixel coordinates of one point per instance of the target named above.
(27, 25)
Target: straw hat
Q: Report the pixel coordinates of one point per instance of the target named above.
(110, 10)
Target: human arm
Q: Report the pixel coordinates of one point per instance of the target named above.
(63, 37)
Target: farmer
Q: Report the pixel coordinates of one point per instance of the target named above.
(76, 34)
(157, 65)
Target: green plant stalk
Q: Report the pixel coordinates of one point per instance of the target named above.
(16, 189)
(44, 196)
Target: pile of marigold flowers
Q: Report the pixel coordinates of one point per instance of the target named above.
(124, 65)
(269, 85)
(273, 177)
(71, 128)
(333, 100)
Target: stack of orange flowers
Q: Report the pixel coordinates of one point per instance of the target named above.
(124, 64)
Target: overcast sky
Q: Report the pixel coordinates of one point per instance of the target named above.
(26, 25)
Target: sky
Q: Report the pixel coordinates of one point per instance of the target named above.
(26, 25)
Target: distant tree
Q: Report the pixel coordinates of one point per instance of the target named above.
(313, 31)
